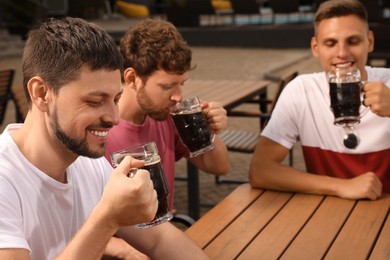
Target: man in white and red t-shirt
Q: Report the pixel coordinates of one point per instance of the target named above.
(342, 39)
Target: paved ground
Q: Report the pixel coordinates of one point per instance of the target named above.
(219, 63)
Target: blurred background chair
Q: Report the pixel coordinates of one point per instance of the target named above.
(6, 79)
(245, 141)
(131, 9)
(21, 105)
(222, 6)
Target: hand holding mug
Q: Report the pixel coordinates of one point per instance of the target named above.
(215, 115)
(377, 97)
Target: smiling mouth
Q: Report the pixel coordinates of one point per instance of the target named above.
(99, 133)
(343, 65)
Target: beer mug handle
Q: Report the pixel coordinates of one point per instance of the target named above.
(132, 172)
(362, 83)
(364, 109)
(213, 137)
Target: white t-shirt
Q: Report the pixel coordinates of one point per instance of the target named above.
(39, 213)
(303, 112)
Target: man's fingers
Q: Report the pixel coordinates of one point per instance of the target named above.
(127, 165)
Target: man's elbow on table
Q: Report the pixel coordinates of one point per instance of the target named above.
(256, 178)
(258, 173)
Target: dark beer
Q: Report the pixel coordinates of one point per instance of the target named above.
(193, 130)
(345, 102)
(160, 185)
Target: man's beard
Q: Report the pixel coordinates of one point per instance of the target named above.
(149, 109)
(79, 147)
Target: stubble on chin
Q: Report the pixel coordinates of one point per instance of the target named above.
(159, 116)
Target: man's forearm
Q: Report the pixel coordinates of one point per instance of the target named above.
(216, 161)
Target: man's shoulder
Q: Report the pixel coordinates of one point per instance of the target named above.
(311, 76)
(378, 74)
(312, 81)
(7, 145)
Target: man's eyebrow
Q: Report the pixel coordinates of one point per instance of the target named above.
(102, 93)
(169, 84)
(96, 93)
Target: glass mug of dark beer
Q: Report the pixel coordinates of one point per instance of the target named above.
(192, 126)
(345, 95)
(345, 100)
(149, 153)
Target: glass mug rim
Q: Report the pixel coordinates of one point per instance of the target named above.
(176, 109)
(146, 154)
(343, 75)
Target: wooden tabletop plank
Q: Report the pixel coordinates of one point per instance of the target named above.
(209, 90)
(319, 233)
(382, 247)
(205, 88)
(228, 92)
(228, 245)
(215, 220)
(361, 230)
(278, 234)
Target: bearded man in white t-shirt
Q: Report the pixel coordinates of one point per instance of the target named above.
(59, 197)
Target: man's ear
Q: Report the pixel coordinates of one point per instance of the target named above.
(371, 41)
(39, 93)
(129, 76)
(314, 46)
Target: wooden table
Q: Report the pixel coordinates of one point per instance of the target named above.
(257, 224)
(230, 93)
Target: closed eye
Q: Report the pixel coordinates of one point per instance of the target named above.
(93, 103)
(354, 41)
(116, 100)
(330, 43)
(167, 87)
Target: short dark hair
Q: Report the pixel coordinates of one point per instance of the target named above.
(58, 48)
(155, 44)
(337, 8)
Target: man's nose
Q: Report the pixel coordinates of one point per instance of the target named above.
(177, 95)
(111, 115)
(342, 50)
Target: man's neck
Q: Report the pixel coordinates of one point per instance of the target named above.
(129, 109)
(41, 151)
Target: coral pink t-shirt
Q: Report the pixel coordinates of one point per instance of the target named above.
(163, 133)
